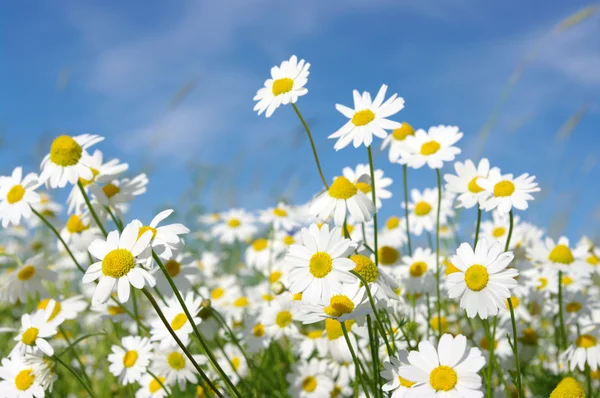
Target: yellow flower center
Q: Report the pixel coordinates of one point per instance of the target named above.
(485, 343)
(234, 223)
(236, 362)
(297, 296)
(363, 187)
(573, 307)
(15, 194)
(155, 385)
(388, 255)
(473, 187)
(176, 360)
(514, 300)
(118, 263)
(365, 267)
(504, 188)
(430, 147)
(403, 131)
(309, 384)
(75, 225)
(115, 310)
(268, 297)
(362, 118)
(173, 268)
(543, 282)
(450, 268)
(568, 388)
(477, 277)
(443, 378)
(145, 229)
(65, 151)
(217, 293)
(315, 334)
(283, 319)
(529, 337)
(241, 302)
(282, 86)
(498, 232)
(280, 212)
(110, 190)
(339, 305)
(405, 383)
(288, 240)
(586, 341)
(592, 260)
(567, 280)
(259, 245)
(178, 321)
(275, 276)
(342, 188)
(26, 273)
(130, 358)
(418, 269)
(320, 264)
(422, 208)
(435, 324)
(561, 254)
(44, 303)
(334, 328)
(258, 330)
(24, 379)
(95, 173)
(336, 392)
(30, 335)
(392, 223)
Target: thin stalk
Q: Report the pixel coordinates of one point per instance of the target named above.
(405, 175)
(355, 359)
(72, 348)
(437, 252)
(159, 382)
(179, 343)
(516, 348)
(117, 222)
(79, 340)
(510, 230)
(72, 371)
(374, 355)
(588, 376)
(563, 330)
(477, 227)
(374, 198)
(312, 144)
(236, 341)
(92, 211)
(135, 310)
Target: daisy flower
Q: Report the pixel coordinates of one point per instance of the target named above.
(388, 254)
(464, 183)
(281, 217)
(235, 225)
(176, 367)
(503, 191)
(343, 196)
(181, 268)
(255, 337)
(233, 363)
(67, 309)
(117, 195)
(178, 320)
(68, 160)
(350, 303)
(130, 360)
(560, 256)
(165, 239)
(75, 225)
(449, 371)
(19, 379)
(119, 257)
(150, 388)
(417, 272)
(397, 142)
(433, 147)
(279, 318)
(35, 329)
(311, 341)
(497, 228)
(310, 379)
(396, 384)
(284, 87)
(483, 282)
(381, 284)
(368, 118)
(585, 350)
(320, 266)
(27, 280)
(423, 210)
(17, 195)
(261, 253)
(381, 182)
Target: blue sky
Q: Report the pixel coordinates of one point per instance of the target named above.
(119, 69)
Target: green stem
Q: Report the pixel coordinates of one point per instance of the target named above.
(437, 252)
(374, 355)
(72, 371)
(355, 359)
(405, 175)
(477, 228)
(515, 348)
(312, 144)
(563, 330)
(72, 348)
(135, 311)
(92, 211)
(510, 230)
(117, 222)
(160, 383)
(78, 340)
(374, 198)
(179, 342)
(588, 376)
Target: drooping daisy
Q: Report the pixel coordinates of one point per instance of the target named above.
(433, 147)
(449, 371)
(178, 320)
(396, 383)
(19, 379)
(397, 142)
(43, 370)
(68, 160)
(176, 367)
(119, 257)
(165, 239)
(320, 266)
(381, 284)
(235, 225)
(150, 388)
(310, 379)
(343, 196)
(585, 350)
(464, 183)
(284, 87)
(368, 118)
(17, 195)
(381, 182)
(483, 283)
(27, 280)
(35, 329)
(130, 360)
(311, 341)
(503, 191)
(337, 347)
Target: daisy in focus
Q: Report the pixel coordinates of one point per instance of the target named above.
(464, 183)
(433, 147)
(365, 184)
(17, 195)
(503, 192)
(585, 350)
(165, 239)
(397, 142)
(19, 379)
(35, 329)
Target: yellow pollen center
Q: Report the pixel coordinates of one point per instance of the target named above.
(115, 310)
(236, 362)
(422, 209)
(234, 223)
(178, 321)
(65, 151)
(110, 190)
(418, 269)
(118, 263)
(145, 229)
(24, 379)
(592, 259)
(282, 86)
(388, 255)
(75, 225)
(405, 383)
(342, 188)
(485, 344)
(477, 277)
(155, 385)
(586, 341)
(259, 245)
(543, 282)
(283, 319)
(363, 187)
(217, 293)
(403, 131)
(315, 334)
(258, 330)
(529, 337)
(30, 335)
(504, 188)
(44, 303)
(514, 300)
(173, 268)
(443, 378)
(568, 387)
(85, 182)
(498, 232)
(567, 280)
(297, 296)
(392, 223)
(473, 187)
(130, 358)
(362, 118)
(320, 264)
(309, 384)
(561, 254)
(430, 147)
(450, 268)
(280, 212)
(176, 360)
(275, 276)
(573, 307)
(334, 328)
(15, 194)
(241, 302)
(339, 305)
(288, 240)
(26, 273)
(435, 324)
(365, 267)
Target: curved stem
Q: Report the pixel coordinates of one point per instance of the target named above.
(477, 227)
(515, 348)
(355, 359)
(510, 230)
(374, 197)
(437, 252)
(72, 348)
(312, 144)
(159, 382)
(405, 175)
(79, 379)
(92, 211)
(179, 343)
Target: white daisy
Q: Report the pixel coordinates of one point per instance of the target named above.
(181, 268)
(433, 147)
(67, 309)
(27, 280)
(19, 379)
(585, 351)
(381, 182)
(178, 320)
(119, 257)
(310, 379)
(35, 329)
(176, 367)
(235, 225)
(255, 337)
(350, 303)
(130, 360)
(281, 217)
(116, 195)
(464, 183)
(279, 318)
(284, 87)
(150, 388)
(368, 118)
(560, 256)
(233, 363)
(483, 283)
(397, 142)
(505, 192)
(417, 272)
(396, 383)
(165, 239)
(423, 210)
(17, 195)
